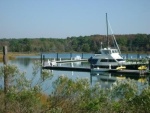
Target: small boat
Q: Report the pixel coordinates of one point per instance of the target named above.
(121, 67)
(142, 68)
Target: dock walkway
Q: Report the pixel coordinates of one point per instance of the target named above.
(86, 69)
(67, 68)
(49, 65)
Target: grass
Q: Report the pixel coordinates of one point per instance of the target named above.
(12, 55)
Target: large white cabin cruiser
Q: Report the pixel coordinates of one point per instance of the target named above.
(106, 58)
(110, 58)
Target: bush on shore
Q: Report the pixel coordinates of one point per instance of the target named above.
(70, 96)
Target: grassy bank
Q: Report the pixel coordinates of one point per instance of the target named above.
(12, 55)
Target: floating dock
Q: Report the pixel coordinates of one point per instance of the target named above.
(63, 68)
(78, 60)
(123, 71)
(86, 69)
(49, 65)
(54, 63)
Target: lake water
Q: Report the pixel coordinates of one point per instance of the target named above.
(106, 80)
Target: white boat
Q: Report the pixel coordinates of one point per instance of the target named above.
(107, 57)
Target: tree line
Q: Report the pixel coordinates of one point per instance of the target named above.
(127, 43)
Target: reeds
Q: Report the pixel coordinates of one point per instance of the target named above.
(10, 57)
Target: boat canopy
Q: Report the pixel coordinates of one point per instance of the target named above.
(109, 51)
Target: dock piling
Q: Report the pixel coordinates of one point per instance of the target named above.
(82, 55)
(149, 64)
(43, 60)
(138, 56)
(71, 56)
(57, 56)
(126, 56)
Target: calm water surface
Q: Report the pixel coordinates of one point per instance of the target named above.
(25, 64)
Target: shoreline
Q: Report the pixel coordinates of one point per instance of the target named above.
(12, 55)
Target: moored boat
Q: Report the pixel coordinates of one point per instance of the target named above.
(110, 58)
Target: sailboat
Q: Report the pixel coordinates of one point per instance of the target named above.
(108, 58)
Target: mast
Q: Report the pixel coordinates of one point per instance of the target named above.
(107, 31)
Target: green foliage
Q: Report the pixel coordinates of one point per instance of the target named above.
(94, 99)
(125, 89)
(132, 43)
(141, 103)
(85, 48)
(23, 93)
(22, 101)
(70, 96)
(121, 98)
(68, 87)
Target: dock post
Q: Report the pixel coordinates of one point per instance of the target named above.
(149, 64)
(70, 56)
(57, 56)
(41, 63)
(43, 60)
(82, 55)
(127, 56)
(138, 56)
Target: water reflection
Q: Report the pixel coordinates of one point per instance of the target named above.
(22, 61)
(107, 80)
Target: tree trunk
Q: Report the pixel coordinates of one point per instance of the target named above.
(6, 82)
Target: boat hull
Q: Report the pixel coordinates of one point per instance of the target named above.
(128, 66)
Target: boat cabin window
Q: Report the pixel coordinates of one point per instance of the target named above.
(106, 51)
(104, 60)
(120, 59)
(110, 51)
(108, 60)
(115, 51)
(112, 60)
(99, 52)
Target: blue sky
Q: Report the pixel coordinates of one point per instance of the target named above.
(66, 18)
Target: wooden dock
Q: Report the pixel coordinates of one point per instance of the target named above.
(65, 61)
(133, 71)
(86, 69)
(63, 68)
(124, 71)
(49, 65)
